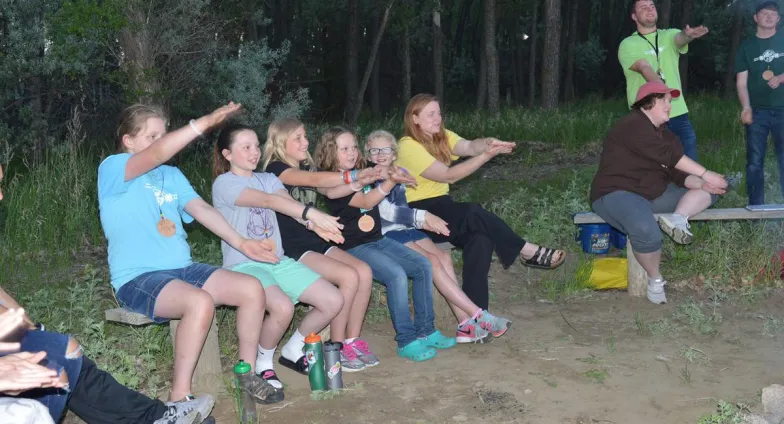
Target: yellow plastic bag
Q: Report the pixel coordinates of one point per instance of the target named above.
(609, 273)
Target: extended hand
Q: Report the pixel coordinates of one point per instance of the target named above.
(435, 224)
(223, 113)
(370, 174)
(20, 372)
(259, 250)
(401, 176)
(324, 221)
(696, 32)
(329, 236)
(10, 321)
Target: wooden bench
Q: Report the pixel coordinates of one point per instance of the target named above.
(208, 374)
(444, 315)
(638, 279)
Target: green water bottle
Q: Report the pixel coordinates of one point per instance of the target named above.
(314, 353)
(246, 406)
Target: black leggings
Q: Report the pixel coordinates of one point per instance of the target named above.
(478, 233)
(99, 398)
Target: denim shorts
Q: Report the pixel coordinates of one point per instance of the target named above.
(139, 294)
(405, 236)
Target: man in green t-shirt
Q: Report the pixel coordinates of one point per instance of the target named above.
(652, 54)
(760, 70)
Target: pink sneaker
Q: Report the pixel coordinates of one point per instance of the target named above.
(363, 352)
(471, 332)
(349, 360)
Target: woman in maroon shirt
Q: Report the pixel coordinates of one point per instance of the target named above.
(643, 172)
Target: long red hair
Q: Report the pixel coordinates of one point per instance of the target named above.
(435, 144)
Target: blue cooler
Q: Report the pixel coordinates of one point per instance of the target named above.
(618, 239)
(595, 238)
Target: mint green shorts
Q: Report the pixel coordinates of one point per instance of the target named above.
(292, 277)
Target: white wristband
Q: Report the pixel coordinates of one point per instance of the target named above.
(382, 191)
(192, 123)
(419, 218)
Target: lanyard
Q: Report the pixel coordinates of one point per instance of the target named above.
(655, 50)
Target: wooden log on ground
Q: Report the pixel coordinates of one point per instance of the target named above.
(207, 378)
(208, 374)
(444, 317)
(638, 278)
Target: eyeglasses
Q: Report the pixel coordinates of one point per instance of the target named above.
(383, 150)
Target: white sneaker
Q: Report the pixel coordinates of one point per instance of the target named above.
(677, 227)
(656, 291)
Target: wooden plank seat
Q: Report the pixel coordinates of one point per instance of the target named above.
(638, 279)
(207, 378)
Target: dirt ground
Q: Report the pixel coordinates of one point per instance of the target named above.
(575, 362)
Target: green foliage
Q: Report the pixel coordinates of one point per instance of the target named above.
(727, 413)
(247, 78)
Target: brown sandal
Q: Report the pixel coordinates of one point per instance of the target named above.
(543, 259)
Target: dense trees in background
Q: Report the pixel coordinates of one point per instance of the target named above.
(337, 60)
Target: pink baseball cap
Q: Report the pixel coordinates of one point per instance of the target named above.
(656, 87)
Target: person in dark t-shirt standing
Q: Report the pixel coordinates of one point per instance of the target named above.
(643, 171)
(759, 65)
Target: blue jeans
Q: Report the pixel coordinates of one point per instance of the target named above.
(392, 264)
(765, 121)
(55, 345)
(681, 126)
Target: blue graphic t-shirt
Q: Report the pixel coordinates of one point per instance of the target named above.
(252, 223)
(130, 211)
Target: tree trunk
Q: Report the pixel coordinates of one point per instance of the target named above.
(491, 56)
(481, 77)
(532, 54)
(735, 32)
(438, 53)
(406, 59)
(462, 20)
(352, 63)
(552, 54)
(375, 102)
(571, 51)
(688, 8)
(369, 68)
(664, 9)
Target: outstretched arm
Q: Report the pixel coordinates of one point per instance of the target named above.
(286, 205)
(170, 144)
(441, 173)
(688, 35)
(259, 250)
(298, 177)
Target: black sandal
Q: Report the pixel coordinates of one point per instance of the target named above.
(544, 259)
(301, 366)
(269, 375)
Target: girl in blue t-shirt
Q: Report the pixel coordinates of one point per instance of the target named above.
(143, 204)
(392, 263)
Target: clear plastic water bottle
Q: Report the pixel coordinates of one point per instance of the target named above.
(246, 406)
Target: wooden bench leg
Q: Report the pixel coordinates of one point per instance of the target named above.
(444, 316)
(638, 278)
(207, 378)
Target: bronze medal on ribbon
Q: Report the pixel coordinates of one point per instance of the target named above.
(166, 227)
(767, 75)
(366, 223)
